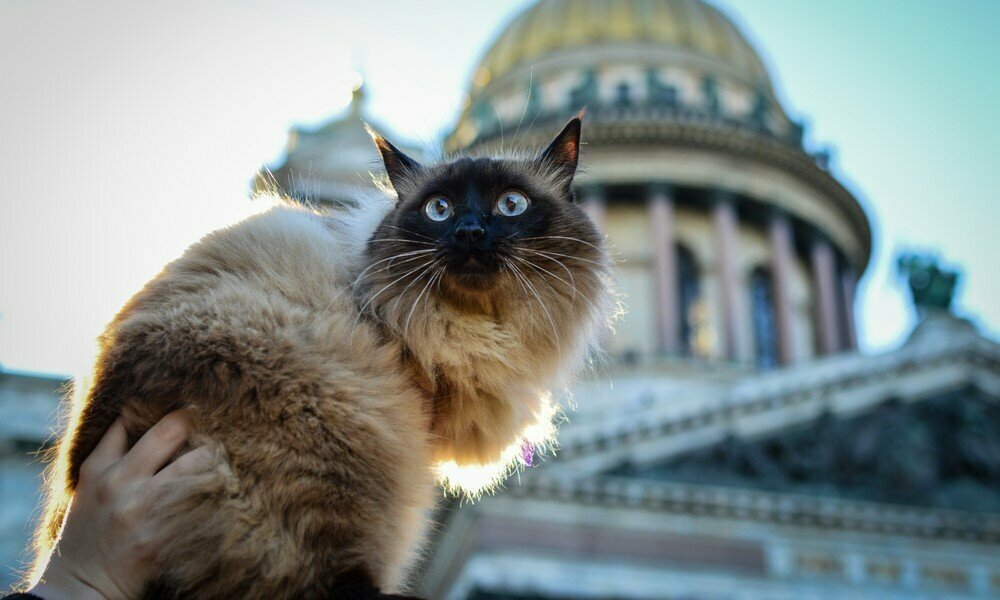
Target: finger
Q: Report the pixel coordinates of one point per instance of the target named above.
(197, 461)
(157, 445)
(109, 450)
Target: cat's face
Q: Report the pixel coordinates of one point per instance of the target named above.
(476, 212)
(474, 227)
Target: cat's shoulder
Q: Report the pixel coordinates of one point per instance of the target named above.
(292, 237)
(288, 249)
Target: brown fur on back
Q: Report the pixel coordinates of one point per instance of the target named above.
(324, 436)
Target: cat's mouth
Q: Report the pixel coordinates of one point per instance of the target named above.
(473, 269)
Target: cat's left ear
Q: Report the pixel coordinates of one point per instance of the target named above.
(564, 151)
(397, 165)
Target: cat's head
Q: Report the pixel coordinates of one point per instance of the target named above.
(468, 227)
(490, 273)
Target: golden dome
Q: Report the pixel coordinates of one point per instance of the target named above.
(554, 25)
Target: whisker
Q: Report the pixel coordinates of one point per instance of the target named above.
(361, 311)
(545, 309)
(563, 237)
(564, 267)
(527, 101)
(441, 270)
(387, 267)
(524, 226)
(532, 124)
(500, 122)
(547, 252)
(406, 327)
(543, 270)
(404, 230)
(373, 240)
(582, 295)
(517, 272)
(417, 277)
(413, 256)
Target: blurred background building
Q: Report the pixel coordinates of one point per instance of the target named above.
(28, 407)
(328, 164)
(737, 445)
(734, 443)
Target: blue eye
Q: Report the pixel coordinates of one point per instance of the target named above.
(438, 208)
(512, 203)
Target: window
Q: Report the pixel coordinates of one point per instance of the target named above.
(688, 289)
(623, 95)
(764, 326)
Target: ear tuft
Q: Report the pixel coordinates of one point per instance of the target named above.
(398, 165)
(564, 151)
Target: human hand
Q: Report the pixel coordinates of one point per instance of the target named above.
(109, 542)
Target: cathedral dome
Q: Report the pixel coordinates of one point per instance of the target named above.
(687, 27)
(735, 240)
(665, 60)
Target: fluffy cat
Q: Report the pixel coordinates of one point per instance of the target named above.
(339, 361)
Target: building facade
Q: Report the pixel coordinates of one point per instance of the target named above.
(735, 444)
(29, 406)
(852, 476)
(733, 243)
(330, 163)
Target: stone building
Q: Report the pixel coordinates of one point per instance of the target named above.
(734, 244)
(329, 163)
(735, 444)
(28, 423)
(851, 476)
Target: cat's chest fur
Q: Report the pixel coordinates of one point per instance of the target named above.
(479, 377)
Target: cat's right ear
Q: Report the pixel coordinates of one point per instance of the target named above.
(398, 166)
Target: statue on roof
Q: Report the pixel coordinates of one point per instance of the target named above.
(931, 285)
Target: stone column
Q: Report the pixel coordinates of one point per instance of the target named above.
(824, 268)
(726, 237)
(668, 318)
(848, 284)
(593, 203)
(782, 261)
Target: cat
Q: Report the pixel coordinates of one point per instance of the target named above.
(341, 362)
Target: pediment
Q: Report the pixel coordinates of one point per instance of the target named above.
(942, 452)
(840, 396)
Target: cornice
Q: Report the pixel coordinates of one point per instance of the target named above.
(631, 130)
(795, 389)
(819, 512)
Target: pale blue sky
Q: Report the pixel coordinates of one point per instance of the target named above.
(128, 130)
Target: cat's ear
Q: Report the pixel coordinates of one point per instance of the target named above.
(564, 151)
(397, 165)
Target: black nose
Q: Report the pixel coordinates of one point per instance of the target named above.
(469, 230)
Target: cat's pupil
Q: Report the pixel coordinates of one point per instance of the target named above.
(512, 204)
(437, 209)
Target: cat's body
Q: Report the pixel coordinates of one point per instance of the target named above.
(337, 360)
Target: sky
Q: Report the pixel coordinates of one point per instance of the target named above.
(128, 129)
